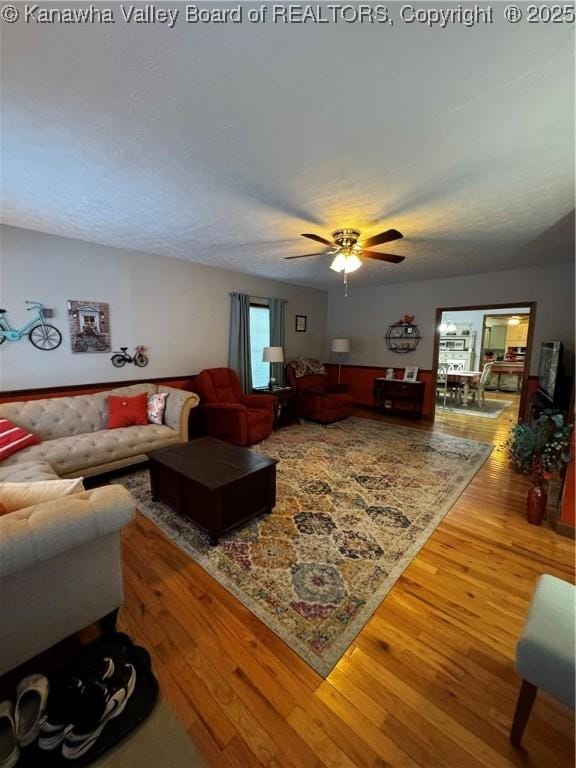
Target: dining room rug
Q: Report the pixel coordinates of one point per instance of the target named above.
(490, 409)
(356, 500)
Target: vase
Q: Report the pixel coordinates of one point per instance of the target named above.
(536, 501)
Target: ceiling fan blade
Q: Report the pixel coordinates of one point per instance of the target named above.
(383, 256)
(305, 255)
(318, 239)
(383, 237)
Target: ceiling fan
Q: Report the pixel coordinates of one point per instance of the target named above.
(348, 251)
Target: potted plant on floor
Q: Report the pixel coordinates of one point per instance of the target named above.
(540, 449)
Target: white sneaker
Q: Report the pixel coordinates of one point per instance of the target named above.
(9, 752)
(31, 698)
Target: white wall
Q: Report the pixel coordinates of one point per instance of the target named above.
(367, 312)
(179, 310)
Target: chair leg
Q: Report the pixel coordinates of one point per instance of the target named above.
(523, 709)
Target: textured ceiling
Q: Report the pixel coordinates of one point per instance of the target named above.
(221, 143)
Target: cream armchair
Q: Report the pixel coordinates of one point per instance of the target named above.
(60, 569)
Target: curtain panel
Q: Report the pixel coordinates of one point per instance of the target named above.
(277, 336)
(239, 343)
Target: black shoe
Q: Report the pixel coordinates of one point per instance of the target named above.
(64, 702)
(101, 702)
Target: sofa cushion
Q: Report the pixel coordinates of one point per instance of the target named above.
(24, 471)
(19, 495)
(126, 411)
(74, 453)
(13, 439)
(156, 407)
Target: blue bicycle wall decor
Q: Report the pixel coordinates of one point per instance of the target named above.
(42, 335)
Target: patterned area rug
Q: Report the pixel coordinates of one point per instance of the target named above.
(490, 409)
(356, 500)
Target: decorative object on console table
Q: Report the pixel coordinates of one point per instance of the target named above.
(341, 346)
(411, 373)
(403, 336)
(300, 323)
(272, 355)
(540, 449)
(285, 405)
(399, 398)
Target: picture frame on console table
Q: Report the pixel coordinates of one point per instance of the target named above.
(411, 373)
(300, 323)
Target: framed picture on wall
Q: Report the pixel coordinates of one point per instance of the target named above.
(89, 323)
(411, 373)
(300, 323)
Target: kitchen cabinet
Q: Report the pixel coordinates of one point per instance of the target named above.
(517, 335)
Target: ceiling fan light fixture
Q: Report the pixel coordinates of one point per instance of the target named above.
(352, 263)
(339, 263)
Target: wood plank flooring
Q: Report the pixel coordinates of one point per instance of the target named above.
(430, 680)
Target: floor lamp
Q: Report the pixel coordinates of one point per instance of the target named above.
(341, 346)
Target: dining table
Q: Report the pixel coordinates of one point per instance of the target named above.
(465, 378)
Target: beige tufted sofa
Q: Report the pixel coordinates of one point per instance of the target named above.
(75, 441)
(60, 569)
(60, 561)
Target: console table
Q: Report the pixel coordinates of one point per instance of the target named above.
(399, 398)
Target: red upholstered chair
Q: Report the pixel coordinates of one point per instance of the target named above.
(229, 414)
(320, 401)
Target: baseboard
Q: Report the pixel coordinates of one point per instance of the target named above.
(564, 529)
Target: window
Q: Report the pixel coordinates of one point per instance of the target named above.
(259, 338)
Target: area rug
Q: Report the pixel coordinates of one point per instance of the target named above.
(491, 409)
(356, 500)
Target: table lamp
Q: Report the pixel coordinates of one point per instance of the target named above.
(341, 346)
(272, 355)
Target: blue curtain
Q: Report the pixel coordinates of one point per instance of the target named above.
(239, 343)
(277, 336)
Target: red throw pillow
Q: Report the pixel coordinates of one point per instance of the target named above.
(127, 411)
(14, 439)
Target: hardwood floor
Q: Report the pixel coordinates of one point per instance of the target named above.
(429, 681)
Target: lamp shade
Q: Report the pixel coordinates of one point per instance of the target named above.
(340, 345)
(273, 355)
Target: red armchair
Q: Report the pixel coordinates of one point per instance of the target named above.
(230, 415)
(320, 401)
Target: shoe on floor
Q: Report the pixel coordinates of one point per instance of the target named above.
(9, 751)
(101, 702)
(65, 702)
(31, 698)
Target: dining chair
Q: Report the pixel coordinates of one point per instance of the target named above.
(478, 392)
(442, 382)
(456, 387)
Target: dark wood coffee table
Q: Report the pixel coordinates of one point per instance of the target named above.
(215, 484)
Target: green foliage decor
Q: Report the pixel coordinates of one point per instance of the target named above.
(541, 448)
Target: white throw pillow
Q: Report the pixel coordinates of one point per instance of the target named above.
(15, 496)
(156, 406)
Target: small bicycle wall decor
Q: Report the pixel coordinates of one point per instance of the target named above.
(119, 359)
(42, 335)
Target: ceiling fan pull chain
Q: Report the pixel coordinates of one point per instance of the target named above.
(345, 284)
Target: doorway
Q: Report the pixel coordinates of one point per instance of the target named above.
(482, 363)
